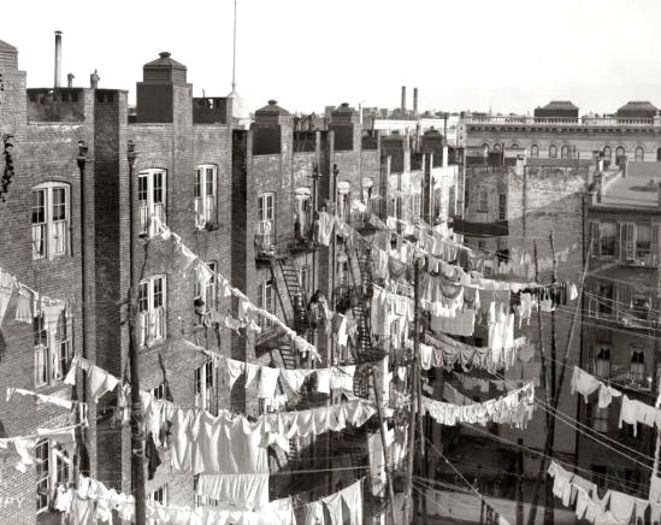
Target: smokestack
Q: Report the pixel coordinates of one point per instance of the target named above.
(58, 57)
(403, 98)
(415, 100)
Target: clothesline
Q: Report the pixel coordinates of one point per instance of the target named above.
(613, 507)
(205, 274)
(587, 384)
(27, 301)
(515, 408)
(24, 445)
(44, 398)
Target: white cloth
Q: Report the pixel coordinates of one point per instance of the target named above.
(268, 381)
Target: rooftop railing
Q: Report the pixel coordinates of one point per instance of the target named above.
(565, 121)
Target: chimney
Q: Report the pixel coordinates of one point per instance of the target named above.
(598, 185)
(415, 100)
(58, 57)
(403, 107)
(658, 193)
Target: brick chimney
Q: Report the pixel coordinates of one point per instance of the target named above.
(403, 106)
(415, 100)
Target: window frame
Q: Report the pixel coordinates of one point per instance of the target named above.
(482, 200)
(147, 332)
(534, 151)
(639, 154)
(502, 206)
(205, 203)
(553, 151)
(49, 234)
(204, 385)
(148, 209)
(57, 458)
(52, 351)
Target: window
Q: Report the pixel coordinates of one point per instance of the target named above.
(52, 347)
(159, 391)
(41, 467)
(643, 240)
(205, 195)
(496, 147)
(603, 361)
(152, 305)
(452, 202)
(204, 386)
(483, 200)
(160, 495)
(151, 200)
(485, 149)
(53, 466)
(208, 295)
(605, 299)
(502, 206)
(607, 237)
(608, 153)
(265, 217)
(302, 211)
(50, 220)
(553, 151)
(534, 151)
(628, 242)
(619, 155)
(600, 421)
(565, 152)
(266, 301)
(637, 366)
(639, 154)
(201, 500)
(343, 203)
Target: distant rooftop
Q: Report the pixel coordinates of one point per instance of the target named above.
(638, 105)
(560, 104)
(4, 46)
(638, 189)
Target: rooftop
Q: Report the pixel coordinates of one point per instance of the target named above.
(638, 189)
(560, 104)
(638, 105)
(165, 61)
(4, 46)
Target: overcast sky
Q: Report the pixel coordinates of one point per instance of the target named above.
(510, 55)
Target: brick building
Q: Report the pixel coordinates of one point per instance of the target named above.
(623, 215)
(556, 131)
(96, 180)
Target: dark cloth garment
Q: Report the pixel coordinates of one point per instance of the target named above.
(153, 459)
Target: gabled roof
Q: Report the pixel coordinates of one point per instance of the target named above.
(4, 46)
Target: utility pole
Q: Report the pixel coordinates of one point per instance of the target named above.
(137, 427)
(657, 404)
(549, 516)
(414, 393)
(543, 465)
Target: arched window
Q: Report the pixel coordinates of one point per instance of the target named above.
(553, 151)
(608, 153)
(565, 152)
(515, 145)
(534, 151)
(619, 152)
(639, 154)
(51, 211)
(496, 147)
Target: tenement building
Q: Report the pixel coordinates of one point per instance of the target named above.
(176, 283)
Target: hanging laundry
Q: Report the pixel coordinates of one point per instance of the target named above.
(463, 324)
(25, 300)
(515, 409)
(268, 381)
(324, 228)
(54, 400)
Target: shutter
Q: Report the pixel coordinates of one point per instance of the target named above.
(595, 238)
